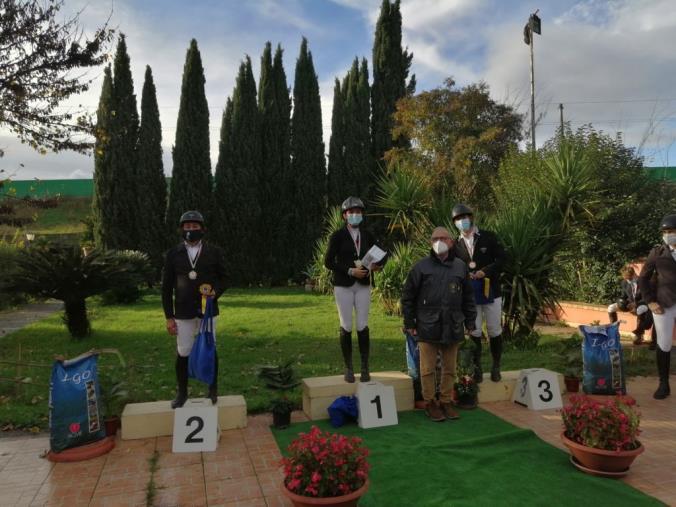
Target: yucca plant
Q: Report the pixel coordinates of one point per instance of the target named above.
(66, 274)
(320, 273)
(390, 281)
(405, 199)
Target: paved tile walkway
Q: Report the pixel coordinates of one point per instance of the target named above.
(243, 471)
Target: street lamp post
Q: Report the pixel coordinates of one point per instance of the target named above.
(534, 25)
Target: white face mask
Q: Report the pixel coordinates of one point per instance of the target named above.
(669, 238)
(440, 247)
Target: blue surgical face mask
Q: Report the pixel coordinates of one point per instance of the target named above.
(669, 238)
(354, 218)
(463, 224)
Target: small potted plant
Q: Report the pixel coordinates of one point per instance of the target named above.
(280, 377)
(602, 436)
(325, 469)
(466, 389)
(114, 395)
(571, 355)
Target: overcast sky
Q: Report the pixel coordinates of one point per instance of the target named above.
(611, 63)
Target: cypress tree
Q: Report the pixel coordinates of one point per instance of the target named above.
(222, 178)
(103, 214)
(124, 125)
(239, 180)
(275, 108)
(152, 185)
(357, 140)
(191, 180)
(337, 173)
(390, 69)
(308, 166)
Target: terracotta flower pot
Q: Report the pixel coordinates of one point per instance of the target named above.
(600, 459)
(572, 384)
(349, 500)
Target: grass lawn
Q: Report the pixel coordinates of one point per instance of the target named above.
(256, 326)
(64, 219)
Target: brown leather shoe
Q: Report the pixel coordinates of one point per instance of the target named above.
(449, 412)
(434, 411)
(638, 339)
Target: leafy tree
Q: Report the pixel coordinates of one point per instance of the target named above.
(191, 181)
(41, 56)
(152, 184)
(459, 137)
(103, 202)
(391, 66)
(308, 169)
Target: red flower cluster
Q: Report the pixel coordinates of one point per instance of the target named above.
(465, 384)
(611, 425)
(324, 464)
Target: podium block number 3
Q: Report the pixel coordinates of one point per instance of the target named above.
(195, 427)
(377, 406)
(538, 389)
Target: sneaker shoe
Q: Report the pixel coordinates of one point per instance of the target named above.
(434, 411)
(449, 412)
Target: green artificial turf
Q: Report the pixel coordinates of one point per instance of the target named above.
(475, 461)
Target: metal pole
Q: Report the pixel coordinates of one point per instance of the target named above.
(532, 91)
(561, 111)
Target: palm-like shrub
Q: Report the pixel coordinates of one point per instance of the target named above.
(137, 271)
(319, 273)
(405, 200)
(66, 274)
(390, 281)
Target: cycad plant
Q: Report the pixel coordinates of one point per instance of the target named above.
(317, 270)
(66, 274)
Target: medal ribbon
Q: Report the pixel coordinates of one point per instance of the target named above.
(193, 262)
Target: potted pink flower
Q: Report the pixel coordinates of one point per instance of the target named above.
(603, 435)
(325, 468)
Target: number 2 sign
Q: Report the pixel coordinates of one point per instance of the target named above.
(195, 427)
(377, 406)
(537, 389)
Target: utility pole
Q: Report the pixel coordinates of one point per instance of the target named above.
(533, 26)
(561, 112)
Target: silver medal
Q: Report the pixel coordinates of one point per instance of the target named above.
(192, 275)
(472, 265)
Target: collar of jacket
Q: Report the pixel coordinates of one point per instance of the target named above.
(449, 257)
(475, 231)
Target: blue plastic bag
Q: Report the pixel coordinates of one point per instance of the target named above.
(202, 359)
(75, 417)
(343, 410)
(412, 356)
(602, 359)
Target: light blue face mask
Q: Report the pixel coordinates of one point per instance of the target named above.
(463, 224)
(354, 218)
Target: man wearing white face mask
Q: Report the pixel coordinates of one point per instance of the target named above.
(352, 283)
(485, 256)
(438, 305)
(657, 283)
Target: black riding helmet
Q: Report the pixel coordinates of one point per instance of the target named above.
(191, 216)
(668, 222)
(352, 202)
(461, 209)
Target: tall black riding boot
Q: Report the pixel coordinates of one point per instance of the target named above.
(364, 349)
(612, 316)
(181, 381)
(476, 359)
(496, 353)
(213, 388)
(663, 364)
(346, 349)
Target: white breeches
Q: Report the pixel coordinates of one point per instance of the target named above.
(357, 296)
(664, 327)
(185, 337)
(492, 313)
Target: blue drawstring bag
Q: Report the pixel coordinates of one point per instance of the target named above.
(343, 410)
(202, 359)
(75, 416)
(603, 364)
(412, 356)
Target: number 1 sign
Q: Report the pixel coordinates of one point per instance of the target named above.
(537, 389)
(195, 427)
(377, 406)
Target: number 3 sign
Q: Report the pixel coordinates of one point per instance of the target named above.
(377, 406)
(195, 427)
(537, 389)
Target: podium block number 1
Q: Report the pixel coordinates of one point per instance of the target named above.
(377, 406)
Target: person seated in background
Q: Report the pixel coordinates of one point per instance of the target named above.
(631, 301)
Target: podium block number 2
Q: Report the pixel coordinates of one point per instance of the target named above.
(377, 406)
(195, 427)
